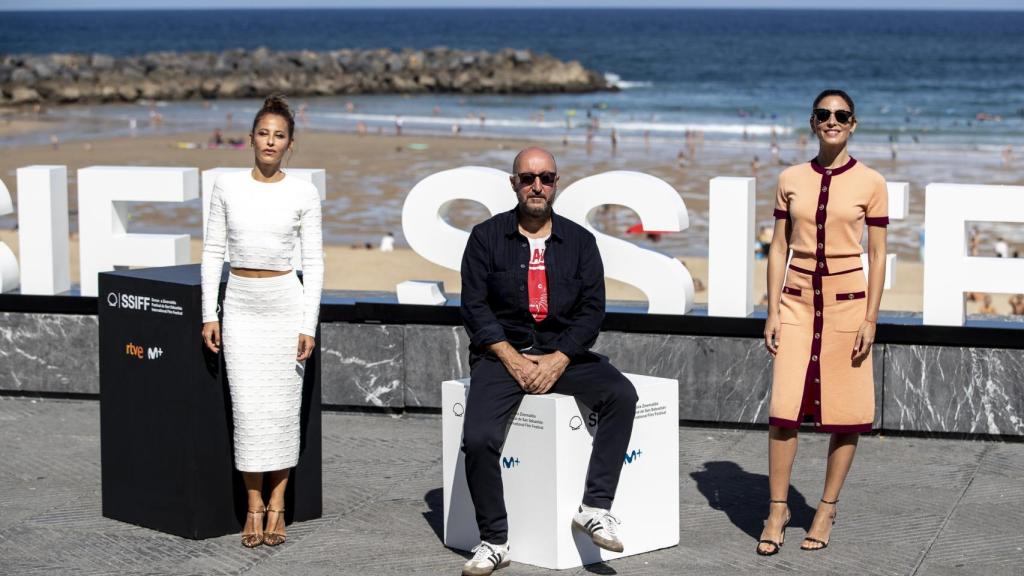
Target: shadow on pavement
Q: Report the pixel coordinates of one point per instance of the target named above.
(435, 515)
(600, 568)
(743, 496)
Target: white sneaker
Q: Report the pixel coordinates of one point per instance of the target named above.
(601, 525)
(486, 558)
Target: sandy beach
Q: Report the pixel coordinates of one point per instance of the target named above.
(368, 177)
(356, 268)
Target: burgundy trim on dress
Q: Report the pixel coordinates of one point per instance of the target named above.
(792, 291)
(780, 214)
(846, 271)
(826, 428)
(782, 422)
(810, 404)
(879, 221)
(850, 296)
(813, 273)
(844, 428)
(820, 215)
(832, 171)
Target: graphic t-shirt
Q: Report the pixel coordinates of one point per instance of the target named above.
(537, 280)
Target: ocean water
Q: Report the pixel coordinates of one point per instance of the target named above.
(912, 74)
(943, 89)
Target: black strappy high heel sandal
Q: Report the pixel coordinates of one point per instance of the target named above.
(775, 546)
(823, 544)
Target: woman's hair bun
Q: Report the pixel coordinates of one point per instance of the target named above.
(276, 104)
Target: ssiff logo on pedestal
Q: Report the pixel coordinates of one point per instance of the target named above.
(575, 423)
(146, 304)
(128, 301)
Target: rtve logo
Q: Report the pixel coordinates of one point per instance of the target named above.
(128, 301)
(139, 352)
(509, 463)
(632, 456)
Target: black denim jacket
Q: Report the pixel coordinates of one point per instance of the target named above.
(495, 300)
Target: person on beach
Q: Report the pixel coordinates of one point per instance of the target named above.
(1017, 304)
(1001, 248)
(270, 318)
(821, 314)
(986, 305)
(764, 241)
(524, 342)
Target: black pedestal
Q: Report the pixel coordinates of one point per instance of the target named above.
(165, 412)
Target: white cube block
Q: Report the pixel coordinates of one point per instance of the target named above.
(424, 292)
(544, 468)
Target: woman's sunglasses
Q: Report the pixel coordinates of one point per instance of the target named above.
(527, 178)
(821, 115)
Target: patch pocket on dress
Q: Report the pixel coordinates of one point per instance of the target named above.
(792, 301)
(847, 312)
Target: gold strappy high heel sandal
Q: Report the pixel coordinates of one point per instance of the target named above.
(253, 540)
(274, 538)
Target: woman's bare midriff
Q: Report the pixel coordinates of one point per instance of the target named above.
(255, 273)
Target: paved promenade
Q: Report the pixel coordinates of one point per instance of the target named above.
(911, 506)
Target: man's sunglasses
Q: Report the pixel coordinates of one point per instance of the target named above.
(527, 178)
(821, 115)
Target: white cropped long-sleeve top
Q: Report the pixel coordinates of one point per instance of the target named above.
(258, 222)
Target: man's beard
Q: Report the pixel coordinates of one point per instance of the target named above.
(534, 211)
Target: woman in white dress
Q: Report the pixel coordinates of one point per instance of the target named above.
(270, 318)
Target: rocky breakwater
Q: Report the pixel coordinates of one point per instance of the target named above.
(68, 78)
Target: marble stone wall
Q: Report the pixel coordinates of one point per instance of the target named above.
(971, 390)
(362, 365)
(49, 353)
(918, 388)
(433, 354)
(720, 379)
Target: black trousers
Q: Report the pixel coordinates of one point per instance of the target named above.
(494, 397)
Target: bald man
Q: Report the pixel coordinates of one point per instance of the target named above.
(533, 303)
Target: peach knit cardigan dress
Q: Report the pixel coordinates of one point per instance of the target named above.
(824, 297)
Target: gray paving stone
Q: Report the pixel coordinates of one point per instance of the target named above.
(911, 506)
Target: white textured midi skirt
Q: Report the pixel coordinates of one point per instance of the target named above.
(260, 335)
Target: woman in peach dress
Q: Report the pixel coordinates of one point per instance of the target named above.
(822, 312)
